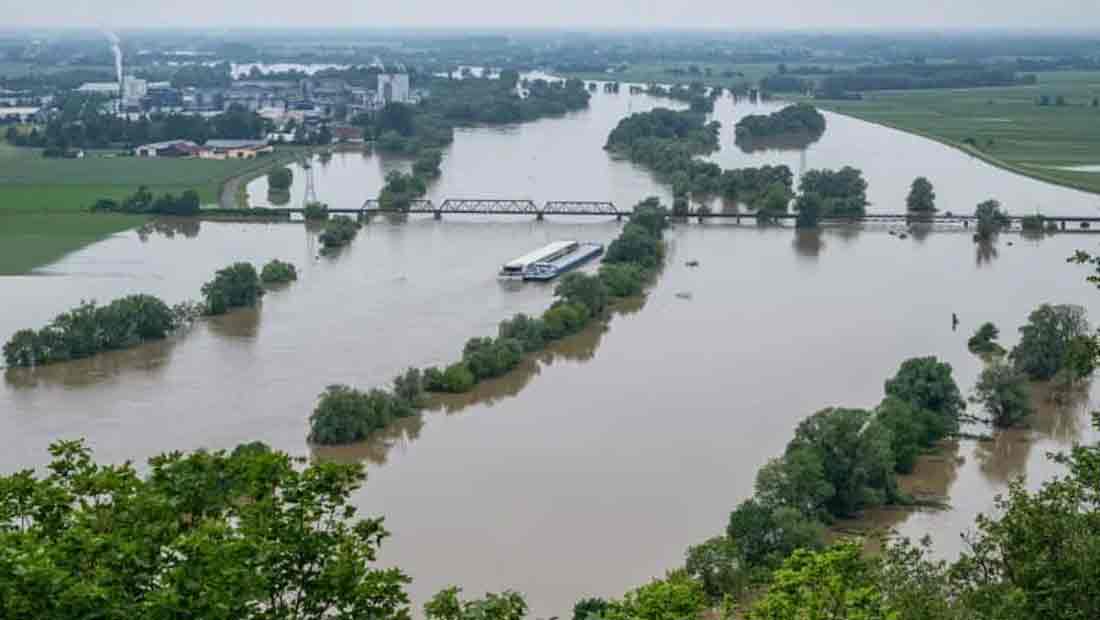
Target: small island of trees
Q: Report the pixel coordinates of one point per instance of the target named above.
(798, 119)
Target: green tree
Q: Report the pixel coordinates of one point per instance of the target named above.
(797, 480)
(1045, 340)
(344, 415)
(1002, 390)
(922, 197)
(856, 455)
(834, 584)
(809, 207)
(623, 279)
(676, 597)
(716, 564)
(252, 535)
(278, 272)
(446, 605)
(235, 286)
(926, 384)
(280, 178)
(586, 290)
(1041, 557)
(764, 535)
(990, 219)
(984, 340)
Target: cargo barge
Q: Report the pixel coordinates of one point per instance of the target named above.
(550, 269)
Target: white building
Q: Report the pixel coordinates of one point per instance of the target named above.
(102, 88)
(134, 89)
(394, 88)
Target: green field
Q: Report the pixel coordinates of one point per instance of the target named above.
(43, 202)
(1004, 126)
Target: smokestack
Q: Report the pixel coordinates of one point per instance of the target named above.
(116, 49)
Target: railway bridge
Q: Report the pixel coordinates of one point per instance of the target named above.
(606, 209)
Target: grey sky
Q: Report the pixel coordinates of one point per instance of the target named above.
(716, 14)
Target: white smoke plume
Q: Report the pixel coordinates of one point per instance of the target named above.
(117, 50)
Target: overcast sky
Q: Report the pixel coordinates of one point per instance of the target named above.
(716, 14)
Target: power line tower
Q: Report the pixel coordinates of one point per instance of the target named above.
(310, 195)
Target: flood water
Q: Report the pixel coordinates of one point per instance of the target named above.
(591, 469)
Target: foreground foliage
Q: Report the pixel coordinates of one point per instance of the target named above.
(251, 534)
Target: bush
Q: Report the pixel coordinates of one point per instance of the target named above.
(315, 211)
(338, 232)
(142, 202)
(675, 597)
(623, 279)
(1002, 389)
(487, 358)
(529, 331)
(90, 329)
(344, 415)
(278, 272)
(927, 384)
(1046, 338)
(564, 319)
(235, 286)
(455, 379)
(583, 289)
(280, 179)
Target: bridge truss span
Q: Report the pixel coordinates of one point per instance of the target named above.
(489, 207)
(582, 207)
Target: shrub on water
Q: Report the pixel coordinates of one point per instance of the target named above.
(529, 331)
(344, 415)
(339, 231)
(89, 329)
(278, 272)
(315, 211)
(236, 286)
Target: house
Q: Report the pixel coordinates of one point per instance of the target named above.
(235, 149)
(171, 148)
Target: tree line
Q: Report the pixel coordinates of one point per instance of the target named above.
(668, 142)
(344, 415)
(82, 123)
(143, 202)
(800, 118)
(91, 329)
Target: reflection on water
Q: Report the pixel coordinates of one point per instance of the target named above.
(241, 325)
(149, 360)
(169, 227)
(784, 142)
(808, 243)
(376, 450)
(985, 252)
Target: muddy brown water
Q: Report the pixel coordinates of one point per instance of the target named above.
(593, 467)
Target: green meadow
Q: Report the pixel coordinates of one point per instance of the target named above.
(1004, 126)
(44, 202)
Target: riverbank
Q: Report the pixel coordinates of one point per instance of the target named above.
(1005, 127)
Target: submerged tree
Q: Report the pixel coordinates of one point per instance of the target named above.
(990, 219)
(922, 197)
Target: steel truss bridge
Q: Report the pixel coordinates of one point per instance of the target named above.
(606, 209)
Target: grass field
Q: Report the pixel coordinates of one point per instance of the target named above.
(43, 202)
(1004, 126)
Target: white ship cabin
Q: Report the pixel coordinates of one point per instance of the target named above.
(555, 250)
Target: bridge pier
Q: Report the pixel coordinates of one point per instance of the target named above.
(438, 215)
(539, 216)
(619, 217)
(966, 223)
(1063, 223)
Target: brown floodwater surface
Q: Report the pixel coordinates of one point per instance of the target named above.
(593, 467)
